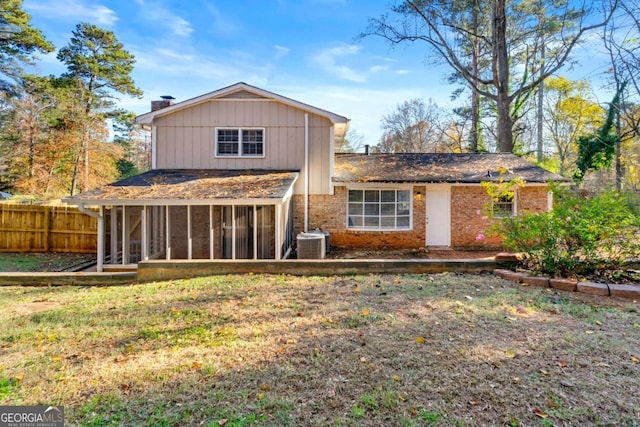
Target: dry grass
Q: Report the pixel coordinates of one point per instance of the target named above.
(363, 350)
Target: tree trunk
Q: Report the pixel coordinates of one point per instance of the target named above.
(619, 169)
(501, 77)
(539, 113)
(475, 96)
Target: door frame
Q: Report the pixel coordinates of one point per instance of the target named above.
(432, 188)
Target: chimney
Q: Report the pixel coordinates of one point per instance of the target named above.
(166, 101)
(366, 149)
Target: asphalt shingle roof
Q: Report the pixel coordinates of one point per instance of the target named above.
(195, 184)
(437, 168)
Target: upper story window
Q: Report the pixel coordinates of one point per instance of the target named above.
(237, 142)
(379, 209)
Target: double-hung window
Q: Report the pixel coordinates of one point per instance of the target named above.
(234, 142)
(504, 207)
(388, 209)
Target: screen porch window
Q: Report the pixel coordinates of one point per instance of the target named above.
(240, 142)
(379, 209)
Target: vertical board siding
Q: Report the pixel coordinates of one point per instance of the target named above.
(185, 139)
(46, 229)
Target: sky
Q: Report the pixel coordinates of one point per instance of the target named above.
(308, 50)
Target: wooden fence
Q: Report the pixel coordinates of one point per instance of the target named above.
(39, 228)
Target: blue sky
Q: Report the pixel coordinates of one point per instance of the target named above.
(308, 50)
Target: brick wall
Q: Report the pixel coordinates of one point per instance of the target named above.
(467, 222)
(329, 213)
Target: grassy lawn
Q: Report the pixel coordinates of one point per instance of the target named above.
(423, 350)
(28, 262)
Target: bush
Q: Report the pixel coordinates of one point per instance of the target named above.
(579, 236)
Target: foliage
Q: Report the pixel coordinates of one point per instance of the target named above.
(580, 235)
(506, 67)
(99, 65)
(96, 58)
(413, 127)
(596, 152)
(569, 115)
(18, 42)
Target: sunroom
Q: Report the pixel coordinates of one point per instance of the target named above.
(192, 214)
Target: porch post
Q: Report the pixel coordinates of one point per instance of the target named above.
(145, 234)
(278, 225)
(168, 237)
(255, 232)
(233, 231)
(100, 261)
(114, 234)
(189, 234)
(211, 251)
(125, 246)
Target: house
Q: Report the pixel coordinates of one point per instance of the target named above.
(237, 173)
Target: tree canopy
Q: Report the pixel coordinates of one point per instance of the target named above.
(19, 41)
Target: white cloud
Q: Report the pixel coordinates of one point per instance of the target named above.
(327, 59)
(221, 25)
(73, 9)
(170, 20)
(402, 72)
(281, 51)
(378, 68)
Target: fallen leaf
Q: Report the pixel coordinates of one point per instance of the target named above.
(562, 364)
(196, 365)
(516, 380)
(510, 354)
(265, 387)
(421, 340)
(543, 372)
(598, 323)
(473, 403)
(395, 378)
(588, 332)
(260, 396)
(539, 412)
(223, 422)
(365, 312)
(635, 359)
(552, 404)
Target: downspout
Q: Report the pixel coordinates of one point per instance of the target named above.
(154, 159)
(306, 172)
(100, 217)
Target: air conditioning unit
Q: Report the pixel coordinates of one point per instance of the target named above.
(311, 246)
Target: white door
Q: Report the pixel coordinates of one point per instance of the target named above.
(438, 217)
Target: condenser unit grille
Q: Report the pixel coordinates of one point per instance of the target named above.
(311, 246)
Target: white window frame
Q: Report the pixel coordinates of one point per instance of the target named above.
(240, 143)
(380, 188)
(502, 213)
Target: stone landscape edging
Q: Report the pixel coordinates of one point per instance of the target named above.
(571, 285)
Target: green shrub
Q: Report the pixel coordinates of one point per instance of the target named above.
(580, 235)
